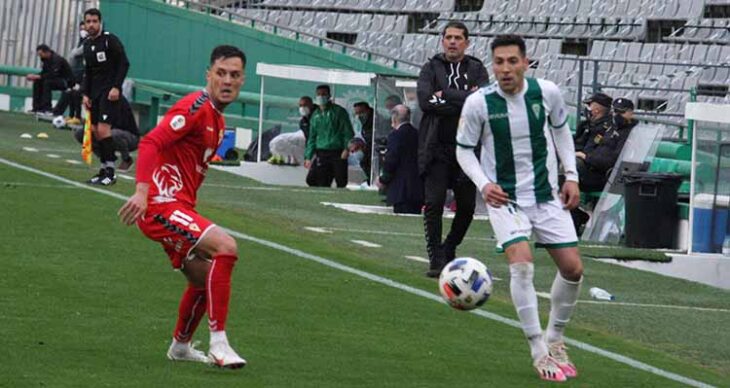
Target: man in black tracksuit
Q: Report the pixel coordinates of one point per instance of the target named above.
(443, 84)
(55, 75)
(106, 67)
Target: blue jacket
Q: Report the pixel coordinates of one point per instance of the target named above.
(400, 169)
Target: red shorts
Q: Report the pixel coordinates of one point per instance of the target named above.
(175, 226)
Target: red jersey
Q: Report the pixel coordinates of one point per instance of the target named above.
(174, 156)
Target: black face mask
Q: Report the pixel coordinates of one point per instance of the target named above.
(587, 113)
(619, 120)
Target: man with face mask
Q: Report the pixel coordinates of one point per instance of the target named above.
(71, 97)
(601, 152)
(288, 148)
(364, 114)
(326, 152)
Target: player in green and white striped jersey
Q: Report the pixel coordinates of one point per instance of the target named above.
(522, 125)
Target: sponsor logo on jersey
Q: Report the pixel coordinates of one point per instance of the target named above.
(536, 109)
(209, 129)
(168, 180)
(177, 122)
(100, 56)
(498, 116)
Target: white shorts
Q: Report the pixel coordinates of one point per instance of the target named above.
(551, 224)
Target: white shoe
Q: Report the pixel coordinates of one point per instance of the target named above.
(559, 354)
(547, 368)
(185, 351)
(221, 354)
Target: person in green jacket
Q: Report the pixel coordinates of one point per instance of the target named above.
(330, 132)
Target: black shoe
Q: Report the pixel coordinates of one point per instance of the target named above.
(105, 177)
(97, 178)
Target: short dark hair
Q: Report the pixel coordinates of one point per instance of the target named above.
(325, 87)
(92, 11)
(455, 24)
(307, 99)
(225, 52)
(361, 104)
(509, 40)
(81, 23)
(43, 47)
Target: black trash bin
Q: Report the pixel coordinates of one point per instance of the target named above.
(651, 209)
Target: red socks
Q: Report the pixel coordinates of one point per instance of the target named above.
(219, 290)
(192, 307)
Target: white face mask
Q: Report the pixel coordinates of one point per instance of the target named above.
(83, 34)
(304, 111)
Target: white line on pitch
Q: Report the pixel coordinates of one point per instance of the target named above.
(366, 243)
(125, 176)
(53, 156)
(30, 149)
(327, 229)
(72, 161)
(546, 295)
(316, 229)
(417, 258)
(392, 283)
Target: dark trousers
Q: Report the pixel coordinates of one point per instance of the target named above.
(327, 165)
(71, 99)
(124, 143)
(42, 89)
(590, 179)
(440, 177)
(407, 208)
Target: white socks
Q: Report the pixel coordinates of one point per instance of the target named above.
(525, 301)
(563, 298)
(218, 336)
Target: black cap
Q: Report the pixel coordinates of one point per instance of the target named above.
(622, 104)
(601, 99)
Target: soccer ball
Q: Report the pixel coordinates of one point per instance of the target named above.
(58, 122)
(465, 283)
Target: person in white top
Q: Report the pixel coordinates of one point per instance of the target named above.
(522, 125)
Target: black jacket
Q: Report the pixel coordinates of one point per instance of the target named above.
(106, 64)
(441, 115)
(400, 169)
(603, 155)
(56, 67)
(590, 133)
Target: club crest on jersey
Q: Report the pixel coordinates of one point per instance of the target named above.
(536, 109)
(177, 122)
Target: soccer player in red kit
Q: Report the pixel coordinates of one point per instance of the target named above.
(173, 160)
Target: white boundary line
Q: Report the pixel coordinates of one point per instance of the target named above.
(330, 229)
(546, 295)
(392, 283)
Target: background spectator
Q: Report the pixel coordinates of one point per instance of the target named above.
(55, 75)
(326, 153)
(404, 186)
(444, 83)
(288, 148)
(125, 136)
(71, 97)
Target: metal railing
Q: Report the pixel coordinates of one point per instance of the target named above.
(253, 22)
(597, 86)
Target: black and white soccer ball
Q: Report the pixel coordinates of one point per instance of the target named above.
(58, 122)
(465, 283)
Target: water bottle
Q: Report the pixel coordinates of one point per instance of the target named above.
(601, 294)
(726, 246)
